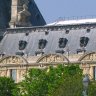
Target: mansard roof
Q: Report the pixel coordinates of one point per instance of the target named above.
(75, 34)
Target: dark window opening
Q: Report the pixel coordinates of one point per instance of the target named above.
(13, 74)
(22, 45)
(84, 41)
(60, 51)
(81, 51)
(42, 44)
(67, 31)
(2, 54)
(26, 34)
(20, 53)
(46, 32)
(39, 52)
(88, 30)
(94, 73)
(62, 42)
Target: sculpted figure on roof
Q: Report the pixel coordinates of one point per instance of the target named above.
(23, 17)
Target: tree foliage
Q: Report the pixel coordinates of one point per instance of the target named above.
(7, 86)
(52, 81)
(92, 88)
(59, 81)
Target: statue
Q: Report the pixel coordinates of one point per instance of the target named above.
(23, 17)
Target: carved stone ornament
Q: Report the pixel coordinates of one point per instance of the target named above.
(52, 58)
(12, 60)
(89, 57)
(3, 73)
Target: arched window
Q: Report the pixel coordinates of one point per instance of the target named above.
(84, 41)
(62, 42)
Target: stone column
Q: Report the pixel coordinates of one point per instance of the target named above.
(18, 75)
(14, 11)
(8, 73)
(91, 72)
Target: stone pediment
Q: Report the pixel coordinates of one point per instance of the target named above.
(88, 57)
(52, 58)
(13, 60)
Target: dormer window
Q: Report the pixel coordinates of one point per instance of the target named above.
(67, 31)
(26, 34)
(84, 41)
(46, 32)
(62, 42)
(88, 30)
(22, 45)
(42, 43)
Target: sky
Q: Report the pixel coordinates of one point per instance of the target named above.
(53, 10)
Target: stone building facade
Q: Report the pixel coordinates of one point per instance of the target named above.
(66, 42)
(40, 47)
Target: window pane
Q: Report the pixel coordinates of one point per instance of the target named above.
(13, 74)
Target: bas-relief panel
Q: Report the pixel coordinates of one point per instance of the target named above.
(3, 72)
(90, 57)
(51, 58)
(12, 60)
(21, 74)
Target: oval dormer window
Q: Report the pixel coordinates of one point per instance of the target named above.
(22, 45)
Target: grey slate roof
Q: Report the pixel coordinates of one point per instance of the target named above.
(9, 44)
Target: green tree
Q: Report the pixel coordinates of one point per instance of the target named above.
(58, 81)
(7, 86)
(34, 83)
(92, 88)
(71, 84)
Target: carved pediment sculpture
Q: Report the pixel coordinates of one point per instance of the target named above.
(52, 58)
(88, 57)
(13, 60)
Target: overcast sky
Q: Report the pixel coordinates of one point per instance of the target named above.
(52, 10)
